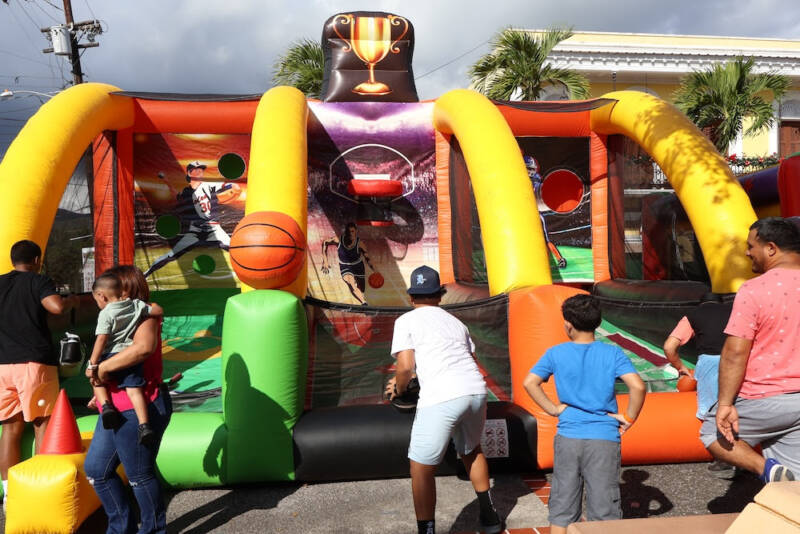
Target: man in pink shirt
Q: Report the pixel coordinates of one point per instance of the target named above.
(759, 374)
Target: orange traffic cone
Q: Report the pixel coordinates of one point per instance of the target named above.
(62, 435)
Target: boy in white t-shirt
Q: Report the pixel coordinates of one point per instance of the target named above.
(434, 345)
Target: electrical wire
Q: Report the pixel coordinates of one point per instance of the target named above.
(45, 12)
(52, 5)
(90, 9)
(452, 60)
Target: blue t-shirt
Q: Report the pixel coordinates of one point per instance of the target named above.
(585, 375)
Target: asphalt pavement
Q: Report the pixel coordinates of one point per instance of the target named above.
(385, 506)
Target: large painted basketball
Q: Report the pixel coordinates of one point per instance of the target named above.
(267, 250)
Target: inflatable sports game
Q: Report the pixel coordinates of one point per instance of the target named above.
(279, 232)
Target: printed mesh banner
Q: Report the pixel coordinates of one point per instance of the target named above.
(189, 195)
(349, 350)
(559, 171)
(372, 202)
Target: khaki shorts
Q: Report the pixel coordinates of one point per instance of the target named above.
(30, 388)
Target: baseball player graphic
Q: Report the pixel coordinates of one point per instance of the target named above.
(198, 202)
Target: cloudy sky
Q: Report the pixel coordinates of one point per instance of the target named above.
(204, 46)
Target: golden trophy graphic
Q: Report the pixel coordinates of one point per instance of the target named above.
(371, 41)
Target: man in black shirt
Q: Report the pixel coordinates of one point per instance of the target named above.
(706, 323)
(28, 363)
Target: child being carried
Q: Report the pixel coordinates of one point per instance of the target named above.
(118, 319)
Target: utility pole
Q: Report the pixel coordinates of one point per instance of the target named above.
(74, 57)
(65, 39)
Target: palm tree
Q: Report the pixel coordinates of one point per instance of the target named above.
(517, 65)
(719, 99)
(302, 66)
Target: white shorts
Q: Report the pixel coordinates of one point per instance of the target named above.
(462, 419)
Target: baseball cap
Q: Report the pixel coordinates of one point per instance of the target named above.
(424, 281)
(195, 165)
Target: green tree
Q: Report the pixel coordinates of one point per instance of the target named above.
(302, 66)
(517, 65)
(720, 98)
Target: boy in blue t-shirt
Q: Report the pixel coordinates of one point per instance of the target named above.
(587, 444)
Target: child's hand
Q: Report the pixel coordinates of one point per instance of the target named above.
(90, 371)
(560, 409)
(92, 404)
(624, 425)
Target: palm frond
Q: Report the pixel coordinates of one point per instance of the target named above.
(302, 66)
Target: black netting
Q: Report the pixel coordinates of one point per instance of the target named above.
(349, 349)
(649, 226)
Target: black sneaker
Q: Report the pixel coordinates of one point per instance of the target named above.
(492, 524)
(110, 417)
(146, 435)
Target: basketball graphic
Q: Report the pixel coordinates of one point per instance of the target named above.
(375, 280)
(267, 249)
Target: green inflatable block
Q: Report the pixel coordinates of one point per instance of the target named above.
(193, 452)
(264, 360)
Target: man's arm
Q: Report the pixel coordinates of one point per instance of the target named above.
(671, 352)
(56, 304)
(732, 366)
(404, 370)
(533, 385)
(145, 341)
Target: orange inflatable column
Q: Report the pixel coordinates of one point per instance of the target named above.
(534, 325)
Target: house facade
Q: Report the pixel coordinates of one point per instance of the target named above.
(656, 64)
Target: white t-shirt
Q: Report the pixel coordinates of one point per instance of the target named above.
(443, 354)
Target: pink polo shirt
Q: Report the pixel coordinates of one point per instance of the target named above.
(767, 311)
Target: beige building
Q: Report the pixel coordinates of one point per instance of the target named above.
(656, 64)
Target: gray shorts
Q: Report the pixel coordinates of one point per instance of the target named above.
(774, 422)
(594, 463)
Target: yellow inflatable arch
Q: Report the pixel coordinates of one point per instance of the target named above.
(39, 163)
(717, 206)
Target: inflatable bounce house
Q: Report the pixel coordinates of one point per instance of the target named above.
(279, 233)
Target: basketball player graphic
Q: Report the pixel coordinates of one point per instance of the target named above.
(536, 180)
(352, 256)
(198, 201)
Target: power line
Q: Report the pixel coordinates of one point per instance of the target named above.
(22, 7)
(90, 9)
(23, 57)
(452, 60)
(53, 5)
(45, 12)
(16, 76)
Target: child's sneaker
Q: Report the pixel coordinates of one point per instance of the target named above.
(492, 524)
(146, 435)
(110, 416)
(775, 472)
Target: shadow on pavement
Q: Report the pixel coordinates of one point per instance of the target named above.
(235, 502)
(505, 493)
(639, 499)
(741, 491)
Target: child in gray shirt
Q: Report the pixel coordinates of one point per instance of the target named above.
(118, 319)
